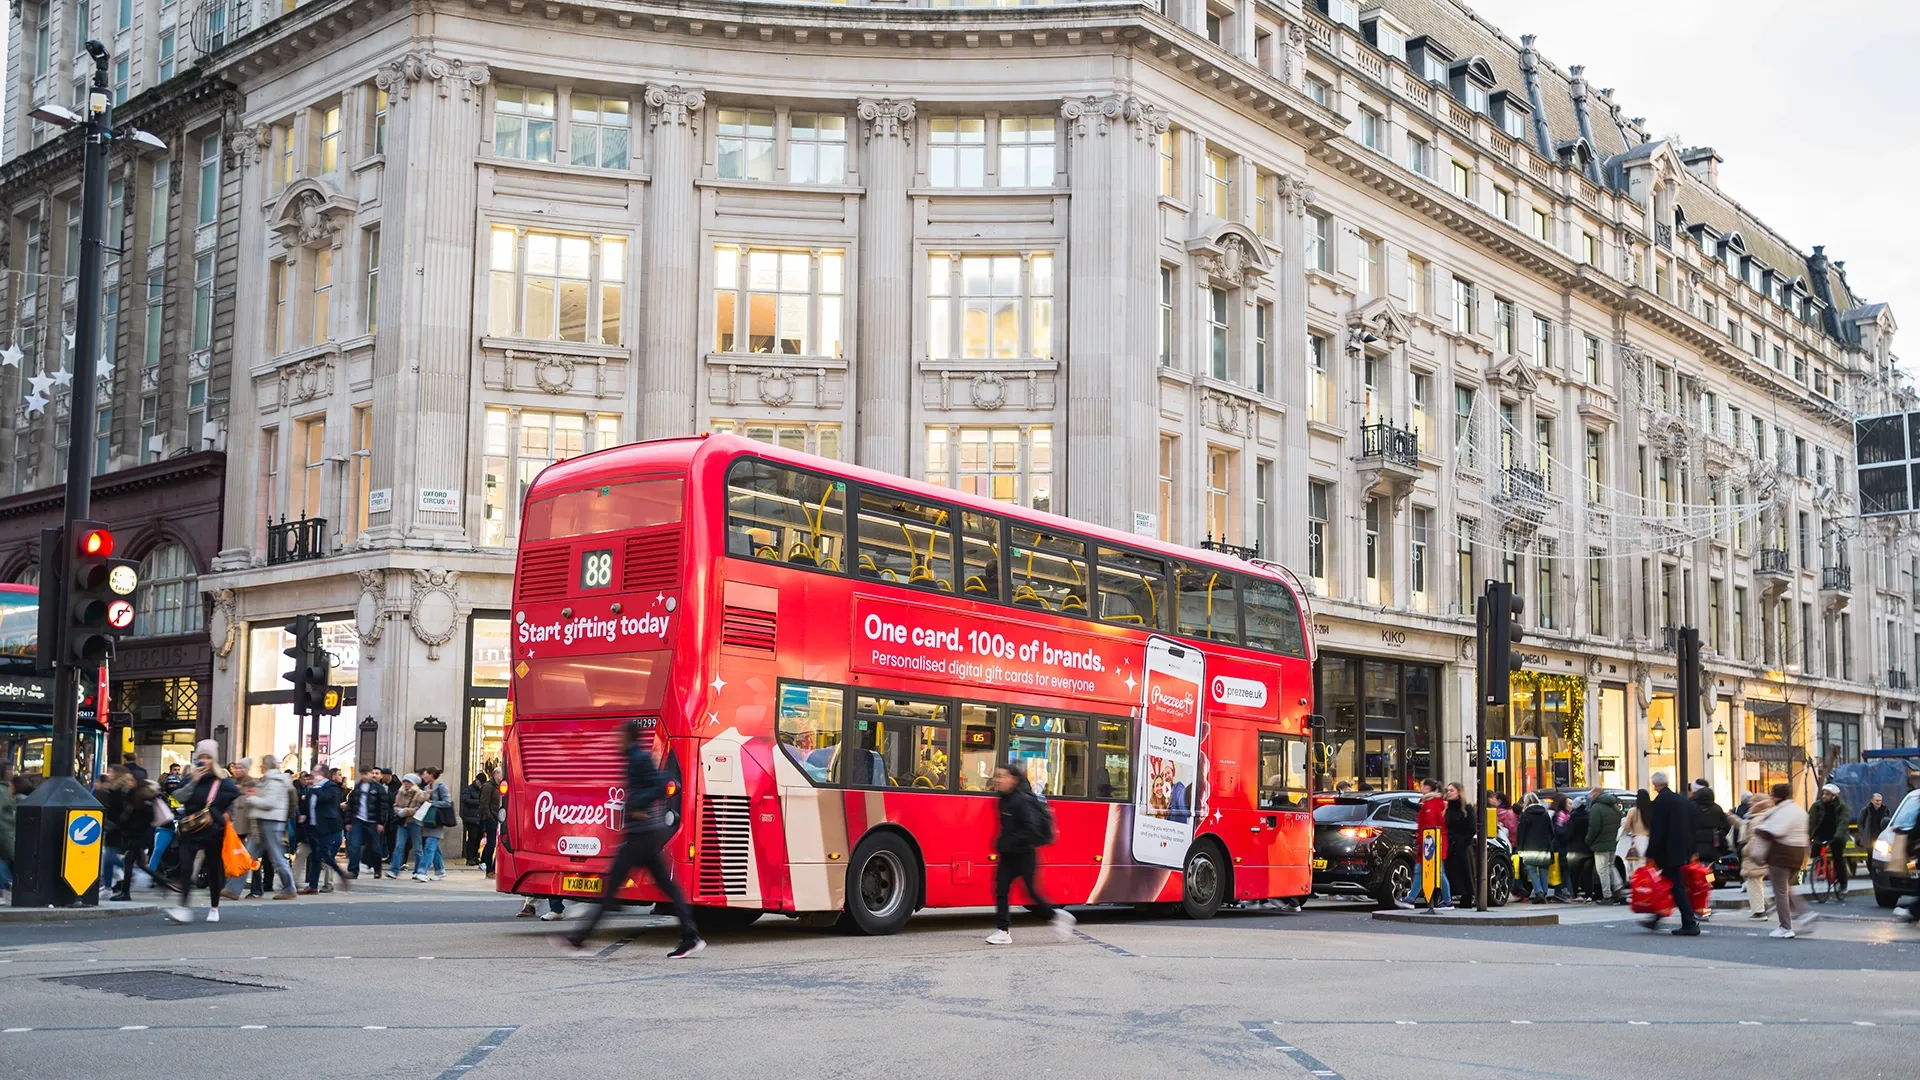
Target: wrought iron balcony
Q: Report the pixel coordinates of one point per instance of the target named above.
(1836, 579)
(1898, 680)
(1391, 443)
(1238, 551)
(294, 541)
(1669, 639)
(1773, 561)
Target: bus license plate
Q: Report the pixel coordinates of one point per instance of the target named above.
(586, 883)
(1318, 864)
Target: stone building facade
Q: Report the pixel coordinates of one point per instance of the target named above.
(1379, 292)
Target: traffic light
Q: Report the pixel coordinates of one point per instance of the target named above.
(1504, 607)
(100, 594)
(311, 666)
(330, 701)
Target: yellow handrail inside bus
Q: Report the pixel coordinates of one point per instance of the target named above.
(974, 583)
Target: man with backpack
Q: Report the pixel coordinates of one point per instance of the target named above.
(471, 819)
(1026, 825)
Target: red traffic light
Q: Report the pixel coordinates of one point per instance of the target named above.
(96, 543)
(120, 614)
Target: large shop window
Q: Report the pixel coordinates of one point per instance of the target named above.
(785, 302)
(272, 727)
(1006, 464)
(813, 437)
(1382, 716)
(902, 742)
(990, 306)
(168, 602)
(521, 442)
(556, 286)
(489, 660)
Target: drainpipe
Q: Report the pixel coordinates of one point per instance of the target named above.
(1530, 71)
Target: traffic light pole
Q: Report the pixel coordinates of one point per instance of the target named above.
(97, 126)
(1482, 799)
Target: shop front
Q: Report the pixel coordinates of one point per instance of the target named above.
(271, 727)
(1545, 734)
(1771, 753)
(159, 691)
(489, 654)
(1383, 722)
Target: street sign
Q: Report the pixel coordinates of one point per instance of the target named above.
(80, 861)
(1496, 749)
(1429, 864)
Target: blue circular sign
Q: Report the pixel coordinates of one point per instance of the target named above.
(83, 830)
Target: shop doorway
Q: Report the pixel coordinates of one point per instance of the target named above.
(1382, 765)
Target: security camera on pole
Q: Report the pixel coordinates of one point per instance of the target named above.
(86, 594)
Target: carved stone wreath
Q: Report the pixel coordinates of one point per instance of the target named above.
(776, 387)
(988, 390)
(370, 614)
(304, 380)
(553, 372)
(434, 613)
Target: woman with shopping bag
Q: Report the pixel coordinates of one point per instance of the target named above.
(202, 826)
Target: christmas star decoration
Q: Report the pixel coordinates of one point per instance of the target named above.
(104, 369)
(41, 384)
(11, 356)
(62, 378)
(69, 340)
(36, 403)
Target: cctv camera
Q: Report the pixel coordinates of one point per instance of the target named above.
(97, 51)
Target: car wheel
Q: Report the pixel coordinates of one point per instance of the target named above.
(725, 919)
(1204, 880)
(1396, 884)
(1886, 898)
(1500, 884)
(880, 884)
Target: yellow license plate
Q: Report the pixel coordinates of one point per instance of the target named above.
(1318, 864)
(586, 883)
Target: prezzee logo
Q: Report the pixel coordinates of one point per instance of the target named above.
(548, 811)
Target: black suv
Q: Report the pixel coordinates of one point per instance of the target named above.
(1366, 844)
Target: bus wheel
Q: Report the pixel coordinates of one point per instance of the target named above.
(725, 919)
(1206, 882)
(880, 885)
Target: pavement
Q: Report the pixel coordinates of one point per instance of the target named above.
(402, 979)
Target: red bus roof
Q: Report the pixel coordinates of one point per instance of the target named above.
(682, 453)
(11, 587)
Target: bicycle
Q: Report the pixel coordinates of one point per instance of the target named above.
(1820, 875)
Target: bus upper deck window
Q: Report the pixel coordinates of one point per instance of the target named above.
(1209, 607)
(980, 545)
(1133, 589)
(784, 515)
(1273, 617)
(626, 504)
(1049, 571)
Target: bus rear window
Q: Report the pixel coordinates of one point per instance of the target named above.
(574, 685)
(627, 504)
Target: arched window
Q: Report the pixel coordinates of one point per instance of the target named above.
(29, 576)
(168, 602)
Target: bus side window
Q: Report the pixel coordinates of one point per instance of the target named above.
(1208, 605)
(1273, 617)
(897, 742)
(1049, 571)
(1283, 772)
(980, 560)
(1133, 589)
(905, 542)
(809, 731)
(783, 515)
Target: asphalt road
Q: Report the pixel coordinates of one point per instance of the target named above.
(412, 981)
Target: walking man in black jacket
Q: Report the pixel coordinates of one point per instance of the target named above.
(640, 848)
(367, 811)
(1025, 826)
(1670, 848)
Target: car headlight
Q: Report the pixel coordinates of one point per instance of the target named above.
(1882, 849)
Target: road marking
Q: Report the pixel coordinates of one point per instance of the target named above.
(1640, 1023)
(1519, 1021)
(479, 1053)
(15, 1031)
(1864, 1023)
(373, 1027)
(1300, 1057)
(1750, 1023)
(1109, 946)
(1407, 1023)
(253, 1027)
(133, 1027)
(613, 948)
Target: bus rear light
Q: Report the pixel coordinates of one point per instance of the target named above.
(672, 789)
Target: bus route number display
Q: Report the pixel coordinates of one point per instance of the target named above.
(596, 569)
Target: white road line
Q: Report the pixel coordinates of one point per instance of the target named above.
(1640, 1023)
(1519, 1021)
(253, 1027)
(374, 1027)
(15, 1031)
(134, 1027)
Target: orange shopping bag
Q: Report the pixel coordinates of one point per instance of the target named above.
(234, 857)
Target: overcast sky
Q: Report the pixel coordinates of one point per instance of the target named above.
(1815, 107)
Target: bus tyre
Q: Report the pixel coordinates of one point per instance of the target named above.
(724, 920)
(1204, 881)
(881, 884)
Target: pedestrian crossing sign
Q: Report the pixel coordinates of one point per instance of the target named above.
(80, 857)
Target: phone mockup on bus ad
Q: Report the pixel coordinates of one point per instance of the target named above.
(1169, 753)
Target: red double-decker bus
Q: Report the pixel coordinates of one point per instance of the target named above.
(834, 661)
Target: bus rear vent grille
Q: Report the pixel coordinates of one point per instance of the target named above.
(571, 757)
(746, 628)
(543, 574)
(652, 561)
(725, 821)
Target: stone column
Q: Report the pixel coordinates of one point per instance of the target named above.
(671, 242)
(242, 513)
(423, 366)
(1290, 335)
(1113, 276)
(886, 306)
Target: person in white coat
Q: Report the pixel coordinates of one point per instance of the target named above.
(269, 798)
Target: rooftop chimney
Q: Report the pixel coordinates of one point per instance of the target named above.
(1702, 162)
(1580, 116)
(1530, 71)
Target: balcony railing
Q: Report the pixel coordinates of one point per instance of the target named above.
(1773, 561)
(1518, 483)
(1395, 444)
(1836, 579)
(1238, 551)
(293, 541)
(1898, 680)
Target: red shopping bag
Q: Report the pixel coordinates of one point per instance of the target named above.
(1650, 895)
(1699, 887)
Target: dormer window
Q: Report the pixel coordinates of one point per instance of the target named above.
(1344, 12)
(1472, 82)
(1753, 275)
(1429, 58)
(1511, 112)
(1384, 38)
